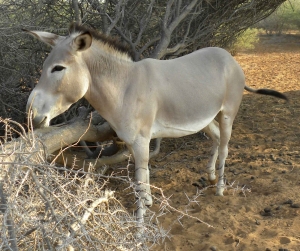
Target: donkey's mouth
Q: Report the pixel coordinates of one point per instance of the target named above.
(40, 122)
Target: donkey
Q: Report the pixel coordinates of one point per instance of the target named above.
(145, 99)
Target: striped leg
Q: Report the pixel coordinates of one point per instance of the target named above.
(140, 151)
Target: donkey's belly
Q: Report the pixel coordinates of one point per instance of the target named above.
(171, 130)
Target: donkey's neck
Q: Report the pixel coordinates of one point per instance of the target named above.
(109, 71)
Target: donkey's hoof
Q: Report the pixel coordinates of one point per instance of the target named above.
(219, 192)
(148, 204)
(213, 182)
(148, 201)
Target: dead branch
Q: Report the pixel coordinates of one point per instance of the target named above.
(56, 138)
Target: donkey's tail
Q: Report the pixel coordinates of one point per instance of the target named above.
(266, 92)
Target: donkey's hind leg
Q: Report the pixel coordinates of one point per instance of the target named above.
(213, 132)
(225, 124)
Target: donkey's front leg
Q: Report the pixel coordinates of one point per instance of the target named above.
(140, 151)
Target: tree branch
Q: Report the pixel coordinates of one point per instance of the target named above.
(76, 11)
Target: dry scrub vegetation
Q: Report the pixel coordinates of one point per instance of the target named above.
(45, 207)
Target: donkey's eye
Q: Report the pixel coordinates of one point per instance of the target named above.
(57, 68)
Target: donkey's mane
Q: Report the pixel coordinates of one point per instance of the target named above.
(112, 42)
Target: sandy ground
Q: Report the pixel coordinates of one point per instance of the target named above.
(261, 207)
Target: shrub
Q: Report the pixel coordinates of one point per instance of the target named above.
(245, 41)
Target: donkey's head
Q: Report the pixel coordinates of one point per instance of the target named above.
(65, 77)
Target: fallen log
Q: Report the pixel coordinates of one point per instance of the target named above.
(52, 139)
(57, 141)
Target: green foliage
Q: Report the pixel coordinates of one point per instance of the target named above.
(290, 14)
(245, 40)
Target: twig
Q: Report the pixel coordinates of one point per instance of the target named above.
(9, 223)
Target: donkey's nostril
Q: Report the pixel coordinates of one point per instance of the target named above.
(44, 120)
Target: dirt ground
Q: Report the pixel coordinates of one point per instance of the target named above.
(261, 207)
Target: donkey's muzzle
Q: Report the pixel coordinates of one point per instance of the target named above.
(38, 121)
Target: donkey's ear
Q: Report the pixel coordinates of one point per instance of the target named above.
(82, 42)
(46, 37)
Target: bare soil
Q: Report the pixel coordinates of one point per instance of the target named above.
(261, 207)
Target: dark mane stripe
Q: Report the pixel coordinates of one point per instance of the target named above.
(111, 41)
